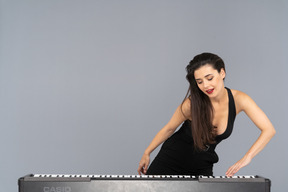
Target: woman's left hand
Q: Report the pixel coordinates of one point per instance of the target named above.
(237, 166)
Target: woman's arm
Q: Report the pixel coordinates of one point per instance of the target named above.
(245, 103)
(180, 115)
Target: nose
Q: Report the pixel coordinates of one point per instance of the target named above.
(205, 84)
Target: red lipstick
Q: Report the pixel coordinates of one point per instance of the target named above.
(209, 91)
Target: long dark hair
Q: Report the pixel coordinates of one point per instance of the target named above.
(201, 107)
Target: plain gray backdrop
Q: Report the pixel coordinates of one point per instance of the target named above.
(86, 84)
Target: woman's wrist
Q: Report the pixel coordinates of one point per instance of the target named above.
(249, 155)
(147, 152)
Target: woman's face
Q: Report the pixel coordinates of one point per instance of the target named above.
(209, 80)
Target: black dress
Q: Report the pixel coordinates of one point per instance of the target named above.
(178, 157)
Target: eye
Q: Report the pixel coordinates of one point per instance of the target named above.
(199, 82)
(210, 79)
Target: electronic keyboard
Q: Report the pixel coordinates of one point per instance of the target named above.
(141, 183)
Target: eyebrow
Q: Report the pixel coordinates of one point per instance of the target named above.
(205, 76)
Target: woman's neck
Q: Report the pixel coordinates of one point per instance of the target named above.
(221, 97)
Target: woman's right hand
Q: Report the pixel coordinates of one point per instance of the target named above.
(143, 165)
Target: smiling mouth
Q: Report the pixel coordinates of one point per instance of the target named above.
(209, 91)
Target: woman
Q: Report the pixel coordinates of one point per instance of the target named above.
(208, 113)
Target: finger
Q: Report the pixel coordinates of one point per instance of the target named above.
(237, 167)
(230, 171)
(145, 168)
(140, 169)
(233, 169)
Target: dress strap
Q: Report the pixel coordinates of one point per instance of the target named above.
(231, 118)
(232, 108)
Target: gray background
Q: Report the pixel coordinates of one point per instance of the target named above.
(85, 85)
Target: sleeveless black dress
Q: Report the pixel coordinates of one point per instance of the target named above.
(178, 157)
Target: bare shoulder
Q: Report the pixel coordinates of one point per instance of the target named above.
(186, 108)
(242, 100)
(238, 94)
(246, 104)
